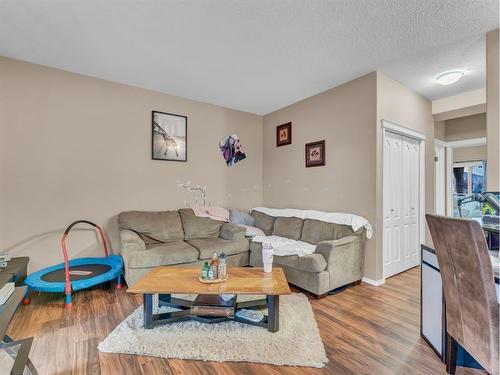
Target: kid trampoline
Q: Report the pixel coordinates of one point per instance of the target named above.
(76, 274)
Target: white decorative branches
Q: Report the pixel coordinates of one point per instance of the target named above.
(198, 189)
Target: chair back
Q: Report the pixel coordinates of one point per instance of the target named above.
(469, 287)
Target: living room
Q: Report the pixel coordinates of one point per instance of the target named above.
(302, 142)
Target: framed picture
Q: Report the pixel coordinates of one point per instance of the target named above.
(169, 137)
(284, 134)
(315, 154)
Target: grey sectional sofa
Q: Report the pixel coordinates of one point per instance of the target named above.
(167, 238)
(337, 261)
(151, 239)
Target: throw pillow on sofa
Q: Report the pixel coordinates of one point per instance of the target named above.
(252, 231)
(240, 217)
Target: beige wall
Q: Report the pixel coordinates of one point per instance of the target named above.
(399, 104)
(348, 118)
(439, 130)
(76, 147)
(469, 154)
(345, 118)
(466, 127)
(492, 109)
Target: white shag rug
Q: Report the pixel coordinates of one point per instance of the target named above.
(297, 343)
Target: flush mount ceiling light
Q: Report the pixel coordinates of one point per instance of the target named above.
(449, 78)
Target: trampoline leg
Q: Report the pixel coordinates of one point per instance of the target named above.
(119, 282)
(27, 299)
(68, 301)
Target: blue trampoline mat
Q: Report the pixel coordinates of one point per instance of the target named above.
(107, 269)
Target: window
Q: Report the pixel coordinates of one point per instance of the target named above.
(468, 178)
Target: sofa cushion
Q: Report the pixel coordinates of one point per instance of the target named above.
(315, 231)
(208, 246)
(153, 227)
(263, 222)
(308, 263)
(164, 254)
(198, 227)
(289, 227)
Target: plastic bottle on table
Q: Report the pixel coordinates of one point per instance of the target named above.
(204, 271)
(221, 272)
(267, 257)
(214, 263)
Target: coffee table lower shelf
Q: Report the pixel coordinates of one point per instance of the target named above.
(270, 321)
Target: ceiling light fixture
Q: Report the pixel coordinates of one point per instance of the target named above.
(449, 78)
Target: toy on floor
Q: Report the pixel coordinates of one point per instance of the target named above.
(76, 274)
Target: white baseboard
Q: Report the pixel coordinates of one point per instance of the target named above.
(373, 282)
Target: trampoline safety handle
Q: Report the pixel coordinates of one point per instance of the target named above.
(67, 289)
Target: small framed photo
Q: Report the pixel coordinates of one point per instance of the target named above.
(284, 134)
(169, 137)
(315, 154)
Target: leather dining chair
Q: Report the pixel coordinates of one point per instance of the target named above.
(469, 289)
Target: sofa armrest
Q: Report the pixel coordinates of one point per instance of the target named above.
(345, 259)
(232, 232)
(334, 248)
(131, 241)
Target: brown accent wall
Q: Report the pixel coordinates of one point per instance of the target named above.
(76, 147)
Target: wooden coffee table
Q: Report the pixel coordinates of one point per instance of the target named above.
(166, 281)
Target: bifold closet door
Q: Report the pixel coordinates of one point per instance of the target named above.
(401, 198)
(410, 202)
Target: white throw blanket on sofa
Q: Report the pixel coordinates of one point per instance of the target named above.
(285, 246)
(354, 221)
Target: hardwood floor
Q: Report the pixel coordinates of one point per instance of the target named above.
(365, 329)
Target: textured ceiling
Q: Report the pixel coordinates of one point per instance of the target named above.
(255, 56)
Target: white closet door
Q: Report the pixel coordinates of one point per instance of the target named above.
(401, 203)
(393, 188)
(411, 155)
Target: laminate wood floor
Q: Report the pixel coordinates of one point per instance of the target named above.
(365, 329)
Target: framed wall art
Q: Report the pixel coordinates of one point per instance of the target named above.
(284, 134)
(315, 154)
(169, 137)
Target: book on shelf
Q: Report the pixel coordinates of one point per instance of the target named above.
(5, 292)
(213, 305)
(213, 300)
(212, 311)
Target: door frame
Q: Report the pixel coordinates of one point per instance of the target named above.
(407, 132)
(440, 177)
(449, 146)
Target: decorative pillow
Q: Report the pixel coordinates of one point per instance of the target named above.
(263, 221)
(252, 231)
(240, 217)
